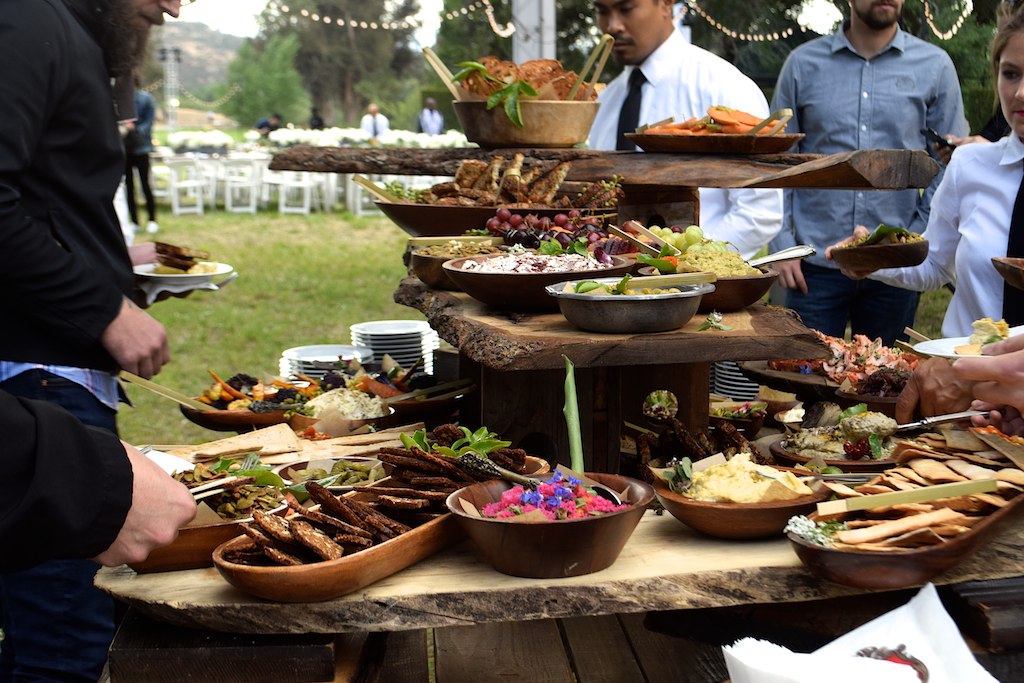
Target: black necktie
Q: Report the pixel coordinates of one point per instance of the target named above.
(629, 115)
(374, 119)
(1013, 300)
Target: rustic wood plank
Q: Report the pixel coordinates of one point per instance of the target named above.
(600, 651)
(506, 340)
(665, 659)
(991, 612)
(394, 658)
(512, 651)
(147, 650)
(867, 169)
(663, 566)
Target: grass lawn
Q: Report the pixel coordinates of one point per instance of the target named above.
(303, 280)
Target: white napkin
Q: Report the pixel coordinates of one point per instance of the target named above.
(152, 288)
(922, 625)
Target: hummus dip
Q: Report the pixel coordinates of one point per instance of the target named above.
(740, 481)
(828, 442)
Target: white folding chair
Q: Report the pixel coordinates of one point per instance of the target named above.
(185, 185)
(242, 184)
(300, 186)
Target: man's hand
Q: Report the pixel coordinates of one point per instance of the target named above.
(136, 341)
(933, 390)
(859, 232)
(160, 506)
(142, 253)
(791, 275)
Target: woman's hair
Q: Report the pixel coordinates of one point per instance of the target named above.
(1009, 22)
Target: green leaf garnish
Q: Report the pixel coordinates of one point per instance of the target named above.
(509, 95)
(853, 410)
(621, 287)
(714, 322)
(470, 68)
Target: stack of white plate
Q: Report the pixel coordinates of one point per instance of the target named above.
(310, 360)
(406, 341)
(729, 380)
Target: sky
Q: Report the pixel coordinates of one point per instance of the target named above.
(238, 17)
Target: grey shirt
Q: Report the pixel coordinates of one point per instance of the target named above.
(842, 102)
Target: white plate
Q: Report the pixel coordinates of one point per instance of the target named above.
(944, 348)
(390, 327)
(146, 271)
(326, 352)
(171, 464)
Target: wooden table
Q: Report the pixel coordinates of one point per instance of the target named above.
(516, 361)
(664, 566)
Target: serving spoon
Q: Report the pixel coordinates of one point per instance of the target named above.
(799, 251)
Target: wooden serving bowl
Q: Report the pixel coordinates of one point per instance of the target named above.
(877, 256)
(551, 550)
(546, 123)
(879, 404)
(428, 269)
(232, 420)
(778, 449)
(732, 293)
(899, 568)
(334, 578)
(736, 520)
(346, 426)
(520, 291)
(1012, 269)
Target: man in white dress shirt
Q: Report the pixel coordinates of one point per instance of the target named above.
(374, 122)
(683, 80)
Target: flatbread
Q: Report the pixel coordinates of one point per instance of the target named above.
(267, 441)
(962, 440)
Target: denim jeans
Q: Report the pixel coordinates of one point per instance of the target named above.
(57, 626)
(873, 309)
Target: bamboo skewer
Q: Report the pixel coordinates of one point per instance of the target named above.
(599, 69)
(442, 72)
(376, 191)
(915, 335)
(777, 120)
(602, 50)
(164, 391)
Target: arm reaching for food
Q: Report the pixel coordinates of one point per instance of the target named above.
(933, 389)
(860, 232)
(160, 506)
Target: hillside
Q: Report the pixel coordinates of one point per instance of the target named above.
(205, 53)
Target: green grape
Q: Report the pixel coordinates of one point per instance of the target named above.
(693, 234)
(695, 247)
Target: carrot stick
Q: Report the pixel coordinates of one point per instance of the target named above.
(231, 391)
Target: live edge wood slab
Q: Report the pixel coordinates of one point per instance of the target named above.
(878, 169)
(515, 360)
(664, 566)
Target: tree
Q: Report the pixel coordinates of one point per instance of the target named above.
(265, 72)
(344, 67)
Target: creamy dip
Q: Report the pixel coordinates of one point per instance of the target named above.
(738, 480)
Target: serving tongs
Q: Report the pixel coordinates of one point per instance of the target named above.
(380, 193)
(652, 246)
(939, 419)
(600, 55)
(799, 251)
(777, 120)
(166, 392)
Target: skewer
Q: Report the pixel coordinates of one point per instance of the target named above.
(442, 71)
(915, 335)
(212, 484)
(602, 49)
(382, 195)
(599, 69)
(778, 119)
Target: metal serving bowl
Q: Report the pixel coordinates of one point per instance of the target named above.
(628, 313)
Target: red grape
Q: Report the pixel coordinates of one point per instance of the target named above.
(503, 214)
(515, 220)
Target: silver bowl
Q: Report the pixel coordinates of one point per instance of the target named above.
(628, 313)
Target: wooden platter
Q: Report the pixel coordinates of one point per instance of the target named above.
(809, 388)
(715, 143)
(876, 256)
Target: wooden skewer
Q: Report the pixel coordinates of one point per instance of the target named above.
(371, 187)
(212, 484)
(782, 115)
(586, 66)
(442, 71)
(915, 335)
(459, 384)
(907, 347)
(605, 49)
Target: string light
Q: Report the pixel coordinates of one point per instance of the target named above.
(946, 35)
(212, 104)
(342, 23)
(485, 5)
(752, 37)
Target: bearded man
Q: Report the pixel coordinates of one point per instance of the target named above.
(870, 85)
(69, 320)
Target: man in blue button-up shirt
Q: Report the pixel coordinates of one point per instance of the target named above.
(869, 85)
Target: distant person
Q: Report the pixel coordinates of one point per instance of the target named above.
(430, 120)
(316, 122)
(138, 144)
(869, 85)
(268, 125)
(374, 123)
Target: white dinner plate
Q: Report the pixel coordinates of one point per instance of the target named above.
(326, 352)
(945, 348)
(146, 271)
(389, 327)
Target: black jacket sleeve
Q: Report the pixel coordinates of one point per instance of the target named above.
(69, 486)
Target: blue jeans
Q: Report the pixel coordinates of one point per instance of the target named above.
(57, 626)
(873, 309)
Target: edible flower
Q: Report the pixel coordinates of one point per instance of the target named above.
(558, 498)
